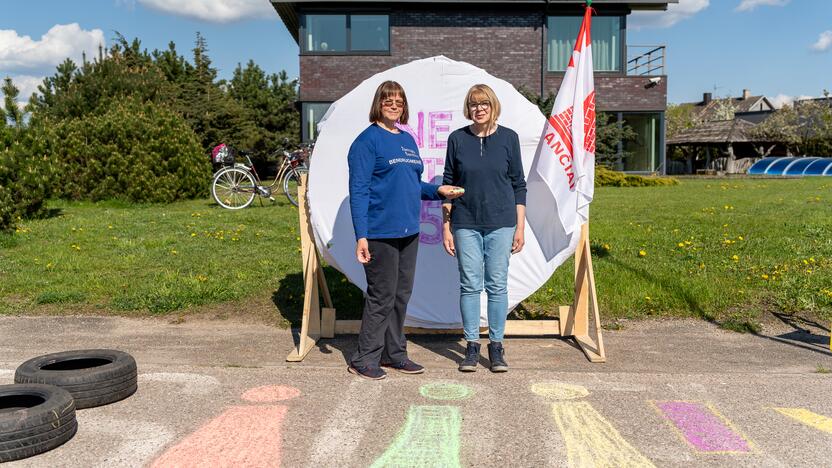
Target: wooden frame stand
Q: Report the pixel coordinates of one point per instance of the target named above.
(317, 322)
(573, 320)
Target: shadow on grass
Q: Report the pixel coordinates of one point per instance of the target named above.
(48, 213)
(800, 337)
(347, 299)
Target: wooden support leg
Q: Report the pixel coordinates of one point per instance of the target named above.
(576, 323)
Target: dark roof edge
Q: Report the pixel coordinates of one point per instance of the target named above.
(287, 10)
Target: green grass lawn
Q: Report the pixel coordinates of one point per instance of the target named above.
(726, 250)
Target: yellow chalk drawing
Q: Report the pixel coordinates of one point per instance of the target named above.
(559, 391)
(817, 421)
(429, 438)
(591, 441)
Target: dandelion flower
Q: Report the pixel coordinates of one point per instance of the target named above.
(764, 276)
(735, 258)
(642, 253)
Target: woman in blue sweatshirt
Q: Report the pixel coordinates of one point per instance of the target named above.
(386, 190)
(484, 227)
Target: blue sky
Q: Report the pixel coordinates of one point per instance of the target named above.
(779, 48)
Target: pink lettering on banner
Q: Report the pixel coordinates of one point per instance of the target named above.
(430, 230)
(419, 133)
(438, 133)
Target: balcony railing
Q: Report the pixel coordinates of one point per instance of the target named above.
(646, 60)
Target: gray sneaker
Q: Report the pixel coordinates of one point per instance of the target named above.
(496, 354)
(472, 356)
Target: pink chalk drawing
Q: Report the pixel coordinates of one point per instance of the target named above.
(270, 393)
(242, 436)
(703, 427)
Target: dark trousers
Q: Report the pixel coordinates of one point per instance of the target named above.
(389, 285)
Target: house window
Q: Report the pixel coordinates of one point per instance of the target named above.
(369, 32)
(643, 153)
(334, 33)
(311, 114)
(606, 41)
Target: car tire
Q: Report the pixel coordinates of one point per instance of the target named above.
(94, 377)
(34, 418)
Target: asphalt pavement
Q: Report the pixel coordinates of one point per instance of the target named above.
(220, 393)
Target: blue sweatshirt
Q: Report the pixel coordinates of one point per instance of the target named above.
(386, 185)
(491, 172)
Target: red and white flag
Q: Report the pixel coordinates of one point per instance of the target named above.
(562, 177)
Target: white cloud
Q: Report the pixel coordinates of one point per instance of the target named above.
(824, 42)
(748, 5)
(215, 11)
(664, 19)
(785, 100)
(61, 41)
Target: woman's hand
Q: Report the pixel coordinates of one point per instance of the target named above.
(449, 192)
(448, 242)
(519, 241)
(362, 250)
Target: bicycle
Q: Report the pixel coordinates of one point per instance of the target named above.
(235, 185)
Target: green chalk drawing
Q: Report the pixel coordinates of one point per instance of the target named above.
(445, 391)
(429, 438)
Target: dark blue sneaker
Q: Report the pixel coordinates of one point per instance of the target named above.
(496, 354)
(371, 373)
(406, 367)
(472, 356)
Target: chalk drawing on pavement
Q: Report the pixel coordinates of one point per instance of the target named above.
(242, 436)
(559, 391)
(430, 437)
(814, 420)
(703, 427)
(270, 394)
(445, 391)
(590, 439)
(347, 424)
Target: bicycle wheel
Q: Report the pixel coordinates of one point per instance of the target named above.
(290, 183)
(233, 188)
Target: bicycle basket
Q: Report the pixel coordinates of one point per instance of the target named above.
(222, 154)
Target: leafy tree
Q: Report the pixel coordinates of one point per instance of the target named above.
(680, 117)
(804, 128)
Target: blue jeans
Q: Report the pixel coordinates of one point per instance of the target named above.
(483, 255)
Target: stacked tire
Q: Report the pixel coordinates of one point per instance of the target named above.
(38, 412)
(34, 418)
(94, 377)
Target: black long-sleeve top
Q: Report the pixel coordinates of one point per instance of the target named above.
(490, 170)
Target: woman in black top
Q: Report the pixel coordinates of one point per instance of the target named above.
(485, 226)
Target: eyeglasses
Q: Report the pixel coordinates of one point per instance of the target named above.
(475, 105)
(390, 102)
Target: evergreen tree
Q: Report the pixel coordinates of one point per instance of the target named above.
(211, 113)
(269, 102)
(12, 112)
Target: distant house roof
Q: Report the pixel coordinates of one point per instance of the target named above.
(716, 131)
(288, 10)
(709, 109)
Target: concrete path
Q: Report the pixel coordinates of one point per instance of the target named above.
(674, 393)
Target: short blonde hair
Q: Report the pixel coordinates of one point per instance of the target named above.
(385, 91)
(479, 93)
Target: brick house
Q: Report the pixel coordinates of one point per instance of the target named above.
(525, 42)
